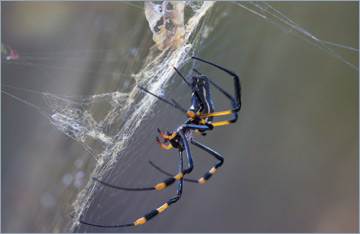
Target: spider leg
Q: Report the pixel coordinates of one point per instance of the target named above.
(236, 80)
(196, 127)
(201, 133)
(167, 173)
(159, 186)
(208, 174)
(195, 91)
(237, 86)
(164, 100)
(169, 180)
(163, 146)
(232, 100)
(187, 82)
(160, 209)
(154, 212)
(206, 125)
(188, 153)
(165, 136)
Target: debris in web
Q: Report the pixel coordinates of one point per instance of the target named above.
(166, 22)
(8, 53)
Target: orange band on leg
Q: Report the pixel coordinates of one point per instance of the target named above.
(164, 146)
(166, 136)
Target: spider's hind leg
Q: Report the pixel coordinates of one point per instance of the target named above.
(208, 174)
(152, 213)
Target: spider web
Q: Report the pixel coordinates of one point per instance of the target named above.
(106, 123)
(103, 131)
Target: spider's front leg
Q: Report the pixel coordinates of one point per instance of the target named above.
(167, 137)
(167, 147)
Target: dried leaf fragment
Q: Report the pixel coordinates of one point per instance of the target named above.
(166, 22)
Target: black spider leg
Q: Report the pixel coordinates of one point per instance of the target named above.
(164, 100)
(232, 100)
(170, 180)
(154, 212)
(236, 82)
(167, 173)
(195, 91)
(190, 162)
(179, 107)
(197, 120)
(208, 174)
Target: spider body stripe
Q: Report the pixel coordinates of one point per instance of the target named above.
(201, 100)
(200, 116)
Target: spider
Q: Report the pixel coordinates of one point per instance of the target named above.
(200, 119)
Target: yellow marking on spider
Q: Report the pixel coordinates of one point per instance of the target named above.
(217, 113)
(164, 146)
(168, 137)
(140, 221)
(201, 181)
(190, 113)
(221, 123)
(178, 176)
(160, 186)
(197, 132)
(172, 136)
(212, 171)
(202, 122)
(162, 208)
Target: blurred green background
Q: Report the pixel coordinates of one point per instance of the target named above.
(291, 160)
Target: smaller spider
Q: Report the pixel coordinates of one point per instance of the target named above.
(200, 119)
